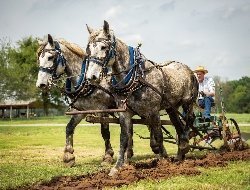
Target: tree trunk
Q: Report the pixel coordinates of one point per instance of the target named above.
(45, 97)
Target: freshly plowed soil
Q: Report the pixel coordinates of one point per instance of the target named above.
(151, 169)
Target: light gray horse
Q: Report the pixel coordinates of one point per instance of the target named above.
(57, 57)
(144, 87)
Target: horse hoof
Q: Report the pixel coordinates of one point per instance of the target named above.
(69, 159)
(104, 164)
(107, 160)
(113, 172)
(70, 164)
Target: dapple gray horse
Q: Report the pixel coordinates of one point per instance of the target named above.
(57, 57)
(144, 87)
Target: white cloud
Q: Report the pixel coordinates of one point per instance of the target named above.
(228, 12)
(191, 43)
(221, 59)
(113, 12)
(132, 39)
(194, 32)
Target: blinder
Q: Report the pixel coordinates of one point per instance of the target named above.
(110, 53)
(59, 59)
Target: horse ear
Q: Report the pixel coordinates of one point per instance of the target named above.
(106, 27)
(89, 29)
(50, 40)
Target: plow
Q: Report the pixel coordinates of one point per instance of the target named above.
(201, 136)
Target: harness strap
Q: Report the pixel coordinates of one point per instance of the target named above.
(49, 70)
(127, 78)
(144, 82)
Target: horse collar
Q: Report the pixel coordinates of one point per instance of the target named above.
(82, 88)
(133, 73)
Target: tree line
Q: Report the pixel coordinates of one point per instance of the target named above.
(18, 71)
(19, 68)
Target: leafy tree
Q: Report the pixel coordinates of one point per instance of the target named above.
(22, 70)
(4, 63)
(237, 95)
(18, 69)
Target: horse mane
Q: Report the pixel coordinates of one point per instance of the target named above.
(93, 36)
(40, 49)
(73, 47)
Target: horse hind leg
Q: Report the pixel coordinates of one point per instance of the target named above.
(109, 153)
(153, 144)
(68, 157)
(182, 134)
(156, 137)
(189, 115)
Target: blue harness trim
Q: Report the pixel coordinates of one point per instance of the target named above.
(127, 78)
(80, 81)
(60, 60)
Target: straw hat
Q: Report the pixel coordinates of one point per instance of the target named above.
(200, 69)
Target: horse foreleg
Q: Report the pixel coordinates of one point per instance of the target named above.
(69, 158)
(129, 151)
(126, 126)
(108, 157)
(182, 133)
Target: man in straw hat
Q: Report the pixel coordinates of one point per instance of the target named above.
(206, 91)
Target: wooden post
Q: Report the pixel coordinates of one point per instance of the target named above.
(96, 119)
(10, 112)
(27, 112)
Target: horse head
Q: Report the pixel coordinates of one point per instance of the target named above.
(101, 50)
(51, 62)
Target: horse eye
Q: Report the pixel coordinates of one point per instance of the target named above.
(50, 58)
(103, 47)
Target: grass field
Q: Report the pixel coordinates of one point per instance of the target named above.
(32, 153)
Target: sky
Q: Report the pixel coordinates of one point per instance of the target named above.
(211, 33)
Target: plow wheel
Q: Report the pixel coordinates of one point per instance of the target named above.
(232, 136)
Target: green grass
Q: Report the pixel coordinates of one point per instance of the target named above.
(240, 118)
(37, 120)
(33, 153)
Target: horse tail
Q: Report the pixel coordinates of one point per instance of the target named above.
(195, 87)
